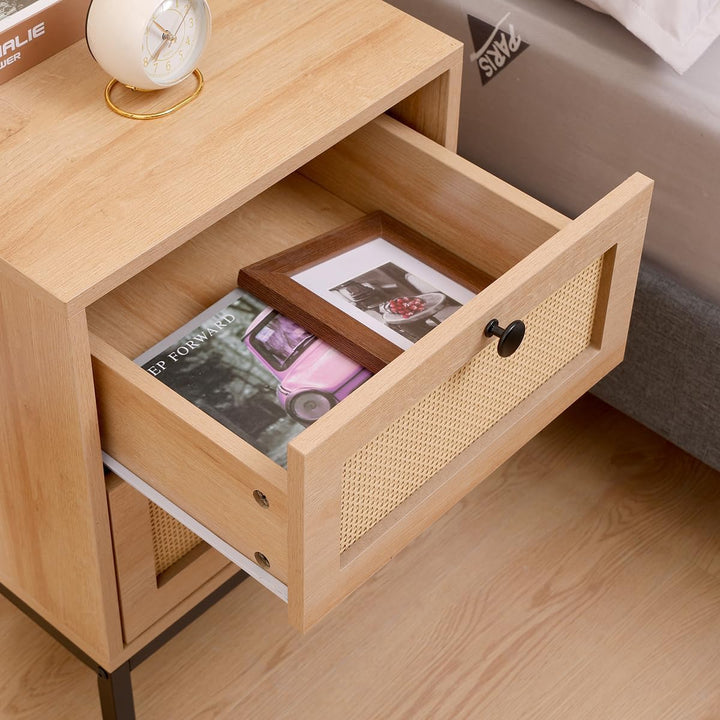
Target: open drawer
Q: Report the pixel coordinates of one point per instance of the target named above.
(384, 464)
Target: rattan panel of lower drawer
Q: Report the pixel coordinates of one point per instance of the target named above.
(171, 539)
(401, 459)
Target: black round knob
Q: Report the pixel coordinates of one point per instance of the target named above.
(510, 337)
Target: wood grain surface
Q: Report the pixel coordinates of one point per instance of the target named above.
(386, 166)
(55, 544)
(320, 576)
(283, 83)
(145, 598)
(581, 580)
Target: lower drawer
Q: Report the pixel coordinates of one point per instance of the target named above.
(158, 561)
(381, 466)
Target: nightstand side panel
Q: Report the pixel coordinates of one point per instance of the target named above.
(55, 545)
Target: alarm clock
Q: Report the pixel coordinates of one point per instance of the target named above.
(147, 45)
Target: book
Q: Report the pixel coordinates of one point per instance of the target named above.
(253, 370)
(33, 30)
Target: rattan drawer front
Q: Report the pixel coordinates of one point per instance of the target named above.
(172, 541)
(429, 427)
(398, 461)
(158, 561)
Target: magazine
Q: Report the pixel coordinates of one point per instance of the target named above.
(254, 370)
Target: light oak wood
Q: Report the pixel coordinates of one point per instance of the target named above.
(55, 548)
(174, 290)
(581, 580)
(177, 612)
(433, 110)
(281, 86)
(386, 166)
(194, 461)
(145, 598)
(139, 414)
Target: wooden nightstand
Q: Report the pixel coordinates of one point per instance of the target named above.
(116, 232)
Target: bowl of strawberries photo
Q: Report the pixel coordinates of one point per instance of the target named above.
(411, 308)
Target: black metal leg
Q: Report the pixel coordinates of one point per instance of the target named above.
(116, 696)
(115, 688)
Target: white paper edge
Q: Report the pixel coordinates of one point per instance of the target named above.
(16, 18)
(252, 569)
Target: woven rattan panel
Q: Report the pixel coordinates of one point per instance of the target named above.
(171, 539)
(398, 461)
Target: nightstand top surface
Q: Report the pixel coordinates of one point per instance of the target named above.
(91, 198)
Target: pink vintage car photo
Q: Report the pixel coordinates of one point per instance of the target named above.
(253, 370)
(312, 376)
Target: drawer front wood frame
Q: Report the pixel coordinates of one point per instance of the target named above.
(144, 600)
(320, 574)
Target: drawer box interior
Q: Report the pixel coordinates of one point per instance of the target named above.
(350, 497)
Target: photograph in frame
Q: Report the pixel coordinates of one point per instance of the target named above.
(371, 288)
(387, 289)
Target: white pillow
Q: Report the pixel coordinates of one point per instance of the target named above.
(679, 31)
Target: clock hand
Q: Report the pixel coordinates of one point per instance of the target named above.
(165, 41)
(171, 37)
(177, 29)
(166, 34)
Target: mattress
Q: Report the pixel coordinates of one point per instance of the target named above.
(677, 30)
(571, 103)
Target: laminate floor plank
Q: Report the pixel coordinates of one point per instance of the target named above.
(581, 581)
(40, 679)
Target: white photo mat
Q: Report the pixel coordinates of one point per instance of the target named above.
(367, 257)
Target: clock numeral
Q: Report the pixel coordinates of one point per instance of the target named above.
(187, 40)
(168, 66)
(191, 21)
(181, 55)
(146, 61)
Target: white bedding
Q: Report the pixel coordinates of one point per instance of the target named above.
(679, 31)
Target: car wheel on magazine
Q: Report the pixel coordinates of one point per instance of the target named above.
(307, 407)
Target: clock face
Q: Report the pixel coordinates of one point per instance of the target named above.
(174, 39)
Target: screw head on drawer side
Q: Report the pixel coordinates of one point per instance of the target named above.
(261, 498)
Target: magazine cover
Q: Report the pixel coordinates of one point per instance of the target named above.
(254, 370)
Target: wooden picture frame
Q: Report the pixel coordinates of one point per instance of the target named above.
(272, 281)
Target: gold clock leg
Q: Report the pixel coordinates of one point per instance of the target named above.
(159, 113)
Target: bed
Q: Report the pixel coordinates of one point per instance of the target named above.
(565, 102)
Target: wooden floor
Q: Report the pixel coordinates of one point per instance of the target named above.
(580, 582)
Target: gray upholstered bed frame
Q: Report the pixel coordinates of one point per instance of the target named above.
(569, 116)
(670, 379)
